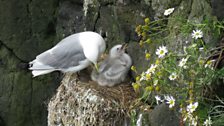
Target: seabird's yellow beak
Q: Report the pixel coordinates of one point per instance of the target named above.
(97, 67)
(124, 46)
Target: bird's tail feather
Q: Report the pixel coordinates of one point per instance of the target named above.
(41, 72)
(38, 68)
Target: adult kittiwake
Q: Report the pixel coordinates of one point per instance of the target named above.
(114, 69)
(71, 54)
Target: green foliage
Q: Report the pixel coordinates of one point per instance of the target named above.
(178, 78)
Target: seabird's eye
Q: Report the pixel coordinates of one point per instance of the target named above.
(117, 48)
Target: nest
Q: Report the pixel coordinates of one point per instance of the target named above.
(79, 103)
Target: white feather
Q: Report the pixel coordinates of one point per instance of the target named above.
(40, 72)
(90, 49)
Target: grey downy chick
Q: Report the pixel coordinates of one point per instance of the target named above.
(114, 69)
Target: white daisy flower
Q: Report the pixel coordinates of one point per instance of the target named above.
(170, 100)
(187, 116)
(207, 122)
(183, 62)
(152, 69)
(197, 34)
(194, 121)
(173, 76)
(185, 67)
(192, 107)
(180, 110)
(168, 11)
(209, 64)
(201, 49)
(161, 51)
(155, 82)
(142, 77)
(158, 99)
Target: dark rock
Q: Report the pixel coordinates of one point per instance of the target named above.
(137, 54)
(1, 62)
(119, 21)
(2, 122)
(23, 66)
(27, 28)
(159, 6)
(22, 99)
(70, 19)
(217, 8)
(163, 116)
(25, 24)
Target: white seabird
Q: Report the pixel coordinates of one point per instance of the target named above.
(114, 69)
(71, 54)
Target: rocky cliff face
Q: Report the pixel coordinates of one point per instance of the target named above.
(30, 27)
(27, 28)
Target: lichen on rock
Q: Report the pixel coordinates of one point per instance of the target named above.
(88, 3)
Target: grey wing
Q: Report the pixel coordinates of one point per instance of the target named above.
(64, 55)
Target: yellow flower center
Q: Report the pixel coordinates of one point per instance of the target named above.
(209, 62)
(137, 78)
(148, 76)
(171, 102)
(157, 88)
(147, 55)
(161, 52)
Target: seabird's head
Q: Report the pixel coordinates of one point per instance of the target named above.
(93, 46)
(118, 50)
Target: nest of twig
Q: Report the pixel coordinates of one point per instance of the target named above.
(86, 103)
(217, 54)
